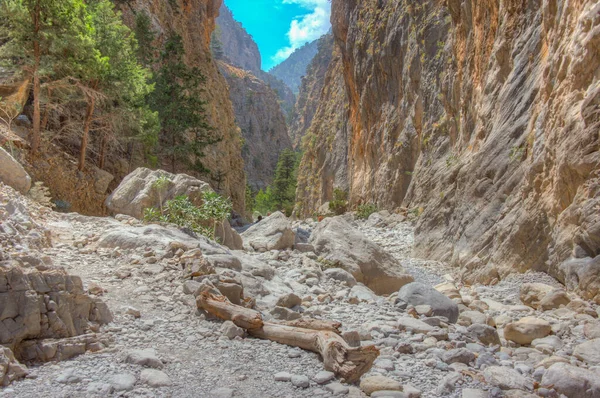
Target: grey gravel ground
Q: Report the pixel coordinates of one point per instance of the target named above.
(200, 362)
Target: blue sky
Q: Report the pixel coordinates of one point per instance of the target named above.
(281, 26)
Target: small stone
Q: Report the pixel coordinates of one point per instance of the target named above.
(145, 357)
(231, 331)
(300, 381)
(323, 377)
(289, 300)
(283, 376)
(284, 314)
(337, 389)
(155, 378)
(474, 393)
(133, 312)
(526, 330)
(68, 377)
(123, 382)
(222, 393)
(461, 355)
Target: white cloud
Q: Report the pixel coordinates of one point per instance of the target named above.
(306, 28)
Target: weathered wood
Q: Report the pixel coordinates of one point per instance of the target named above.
(338, 357)
(314, 324)
(222, 308)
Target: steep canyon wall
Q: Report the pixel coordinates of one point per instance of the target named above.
(482, 116)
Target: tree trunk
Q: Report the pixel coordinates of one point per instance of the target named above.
(35, 134)
(89, 113)
(313, 335)
(103, 148)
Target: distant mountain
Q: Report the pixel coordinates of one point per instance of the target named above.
(292, 69)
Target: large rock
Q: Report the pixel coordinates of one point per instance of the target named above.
(588, 352)
(272, 233)
(419, 294)
(10, 368)
(49, 304)
(506, 378)
(533, 293)
(525, 330)
(137, 191)
(572, 381)
(228, 236)
(338, 243)
(13, 174)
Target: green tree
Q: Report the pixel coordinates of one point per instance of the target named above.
(285, 181)
(145, 37)
(47, 39)
(185, 131)
(119, 79)
(264, 202)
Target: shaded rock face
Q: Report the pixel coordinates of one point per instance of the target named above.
(483, 114)
(263, 125)
(342, 246)
(310, 90)
(194, 21)
(293, 69)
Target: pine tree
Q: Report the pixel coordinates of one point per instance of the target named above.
(48, 39)
(285, 181)
(185, 131)
(120, 81)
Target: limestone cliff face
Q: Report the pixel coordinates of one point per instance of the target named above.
(294, 67)
(240, 50)
(482, 116)
(194, 21)
(261, 121)
(310, 89)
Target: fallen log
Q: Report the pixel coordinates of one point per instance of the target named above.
(313, 335)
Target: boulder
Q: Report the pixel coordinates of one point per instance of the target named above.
(506, 378)
(338, 243)
(137, 191)
(49, 304)
(555, 299)
(525, 330)
(533, 293)
(227, 236)
(416, 293)
(449, 290)
(13, 174)
(341, 275)
(10, 368)
(572, 381)
(272, 233)
(485, 334)
(588, 352)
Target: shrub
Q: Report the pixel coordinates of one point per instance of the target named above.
(339, 204)
(364, 211)
(180, 211)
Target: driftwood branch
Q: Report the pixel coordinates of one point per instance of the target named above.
(322, 337)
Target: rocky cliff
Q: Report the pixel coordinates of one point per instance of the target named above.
(194, 21)
(237, 45)
(482, 117)
(262, 122)
(310, 90)
(260, 101)
(239, 49)
(293, 69)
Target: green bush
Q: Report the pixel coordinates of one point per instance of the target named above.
(339, 204)
(180, 211)
(364, 211)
